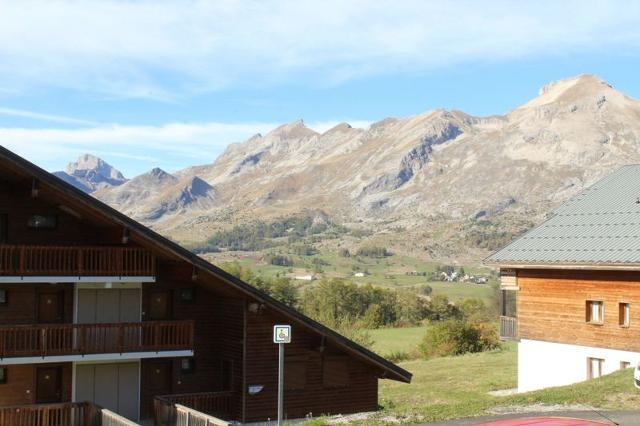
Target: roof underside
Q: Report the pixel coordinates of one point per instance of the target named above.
(599, 226)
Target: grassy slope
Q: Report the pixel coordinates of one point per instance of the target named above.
(388, 340)
(387, 272)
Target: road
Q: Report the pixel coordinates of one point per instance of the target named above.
(623, 418)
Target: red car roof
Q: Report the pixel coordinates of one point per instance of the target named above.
(543, 421)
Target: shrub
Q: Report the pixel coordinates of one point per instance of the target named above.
(344, 252)
(397, 356)
(373, 251)
(456, 337)
(279, 260)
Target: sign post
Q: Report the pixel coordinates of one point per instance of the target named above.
(281, 336)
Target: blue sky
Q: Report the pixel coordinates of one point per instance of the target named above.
(170, 84)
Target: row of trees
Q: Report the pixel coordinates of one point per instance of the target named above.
(453, 328)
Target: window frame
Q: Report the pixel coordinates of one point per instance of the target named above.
(589, 312)
(624, 365)
(3, 291)
(590, 372)
(4, 372)
(624, 314)
(191, 367)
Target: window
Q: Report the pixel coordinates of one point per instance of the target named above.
(594, 367)
(4, 226)
(187, 295)
(335, 372)
(3, 375)
(187, 365)
(38, 221)
(3, 297)
(595, 311)
(624, 365)
(624, 314)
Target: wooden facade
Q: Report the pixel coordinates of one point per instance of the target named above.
(185, 305)
(552, 306)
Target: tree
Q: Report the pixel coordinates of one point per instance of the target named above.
(456, 337)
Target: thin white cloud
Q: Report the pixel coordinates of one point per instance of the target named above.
(164, 49)
(44, 117)
(135, 149)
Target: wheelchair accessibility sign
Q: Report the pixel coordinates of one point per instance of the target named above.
(281, 334)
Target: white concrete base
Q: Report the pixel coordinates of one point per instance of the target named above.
(544, 364)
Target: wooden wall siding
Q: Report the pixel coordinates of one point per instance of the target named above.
(21, 384)
(218, 336)
(18, 205)
(552, 307)
(361, 394)
(22, 303)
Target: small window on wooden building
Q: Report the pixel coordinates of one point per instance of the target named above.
(624, 365)
(3, 375)
(595, 311)
(594, 367)
(295, 374)
(335, 372)
(38, 221)
(187, 365)
(4, 228)
(624, 314)
(187, 295)
(226, 374)
(3, 297)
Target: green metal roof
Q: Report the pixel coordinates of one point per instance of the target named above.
(599, 226)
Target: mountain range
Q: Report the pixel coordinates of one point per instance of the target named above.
(444, 184)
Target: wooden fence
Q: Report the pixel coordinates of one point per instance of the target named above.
(63, 414)
(508, 328)
(207, 404)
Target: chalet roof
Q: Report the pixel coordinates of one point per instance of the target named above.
(389, 369)
(599, 227)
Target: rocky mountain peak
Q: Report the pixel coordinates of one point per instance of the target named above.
(87, 163)
(90, 173)
(295, 129)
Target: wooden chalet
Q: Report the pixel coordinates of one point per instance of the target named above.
(571, 287)
(97, 310)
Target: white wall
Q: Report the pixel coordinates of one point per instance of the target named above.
(545, 364)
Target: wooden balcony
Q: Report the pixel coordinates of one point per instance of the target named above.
(204, 408)
(84, 339)
(75, 261)
(63, 414)
(508, 328)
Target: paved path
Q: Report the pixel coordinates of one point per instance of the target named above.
(623, 418)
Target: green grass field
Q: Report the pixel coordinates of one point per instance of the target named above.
(388, 340)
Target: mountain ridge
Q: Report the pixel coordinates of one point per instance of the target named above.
(439, 170)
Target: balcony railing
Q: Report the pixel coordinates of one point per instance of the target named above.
(82, 339)
(27, 260)
(205, 407)
(508, 328)
(63, 414)
(72, 414)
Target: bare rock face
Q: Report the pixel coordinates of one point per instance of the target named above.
(90, 173)
(439, 164)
